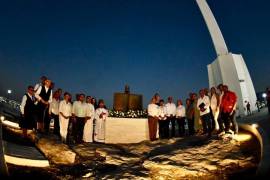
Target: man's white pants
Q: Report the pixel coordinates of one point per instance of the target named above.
(63, 123)
(88, 131)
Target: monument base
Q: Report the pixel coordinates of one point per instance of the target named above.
(126, 130)
(231, 70)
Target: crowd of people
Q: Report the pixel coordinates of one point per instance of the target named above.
(84, 119)
(206, 113)
(42, 104)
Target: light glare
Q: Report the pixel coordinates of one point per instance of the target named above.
(255, 125)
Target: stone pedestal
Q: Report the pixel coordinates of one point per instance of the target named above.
(126, 130)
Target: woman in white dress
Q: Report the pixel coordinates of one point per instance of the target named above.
(88, 127)
(65, 110)
(100, 116)
(214, 105)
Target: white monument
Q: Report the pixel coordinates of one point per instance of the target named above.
(228, 68)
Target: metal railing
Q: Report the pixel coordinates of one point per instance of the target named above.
(3, 165)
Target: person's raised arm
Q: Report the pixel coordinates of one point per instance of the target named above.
(24, 99)
(37, 93)
(51, 98)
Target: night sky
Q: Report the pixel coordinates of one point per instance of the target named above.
(97, 47)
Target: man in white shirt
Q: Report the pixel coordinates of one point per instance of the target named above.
(163, 122)
(170, 113)
(88, 127)
(79, 112)
(54, 112)
(42, 82)
(65, 112)
(203, 105)
(44, 97)
(27, 110)
(181, 117)
(153, 113)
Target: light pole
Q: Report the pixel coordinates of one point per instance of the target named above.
(264, 95)
(9, 92)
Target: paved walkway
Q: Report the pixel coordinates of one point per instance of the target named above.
(262, 119)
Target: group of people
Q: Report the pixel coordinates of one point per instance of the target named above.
(41, 104)
(210, 112)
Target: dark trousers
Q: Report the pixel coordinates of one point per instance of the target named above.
(207, 123)
(46, 120)
(181, 126)
(268, 105)
(228, 119)
(234, 122)
(172, 121)
(152, 125)
(249, 111)
(78, 129)
(191, 129)
(56, 128)
(220, 123)
(163, 129)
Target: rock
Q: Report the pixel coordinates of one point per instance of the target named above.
(158, 171)
(56, 152)
(88, 175)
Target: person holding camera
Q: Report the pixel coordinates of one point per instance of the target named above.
(203, 105)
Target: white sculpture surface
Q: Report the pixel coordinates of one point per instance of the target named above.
(228, 68)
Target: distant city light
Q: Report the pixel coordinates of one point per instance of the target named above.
(264, 95)
(9, 91)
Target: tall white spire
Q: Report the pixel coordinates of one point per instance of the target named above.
(216, 35)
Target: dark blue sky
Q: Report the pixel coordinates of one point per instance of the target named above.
(97, 47)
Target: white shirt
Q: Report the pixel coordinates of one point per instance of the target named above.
(24, 99)
(162, 112)
(206, 101)
(39, 91)
(37, 86)
(65, 108)
(213, 102)
(181, 111)
(79, 109)
(99, 111)
(153, 110)
(54, 107)
(90, 110)
(171, 109)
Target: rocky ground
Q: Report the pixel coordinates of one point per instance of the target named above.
(180, 158)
